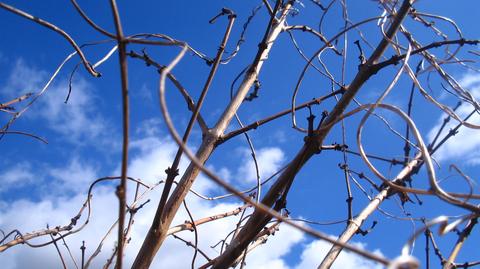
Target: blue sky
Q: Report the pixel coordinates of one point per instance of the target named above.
(47, 183)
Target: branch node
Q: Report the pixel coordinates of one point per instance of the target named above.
(171, 172)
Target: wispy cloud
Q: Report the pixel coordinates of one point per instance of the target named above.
(16, 176)
(74, 177)
(77, 121)
(23, 79)
(465, 145)
(268, 159)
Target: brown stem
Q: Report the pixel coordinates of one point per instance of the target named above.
(189, 225)
(357, 222)
(122, 188)
(59, 252)
(258, 123)
(89, 21)
(159, 228)
(188, 243)
(260, 239)
(395, 59)
(459, 244)
(56, 29)
(172, 171)
(188, 99)
(280, 188)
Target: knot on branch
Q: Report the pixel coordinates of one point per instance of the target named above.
(253, 95)
(134, 210)
(95, 72)
(343, 166)
(395, 161)
(225, 11)
(160, 69)
(209, 62)
(262, 46)
(311, 137)
(361, 56)
(365, 232)
(55, 230)
(340, 147)
(324, 116)
(452, 132)
(171, 172)
(313, 142)
(281, 203)
(74, 220)
(310, 119)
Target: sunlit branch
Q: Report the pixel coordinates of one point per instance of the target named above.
(259, 123)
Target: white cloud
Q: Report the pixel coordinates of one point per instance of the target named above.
(150, 157)
(149, 128)
(77, 121)
(26, 216)
(268, 159)
(153, 157)
(271, 255)
(16, 176)
(75, 176)
(280, 136)
(465, 145)
(23, 79)
(314, 252)
(146, 94)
